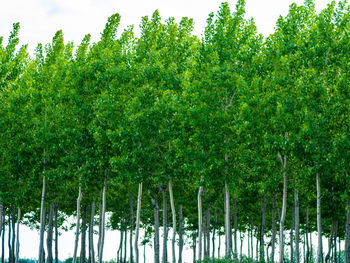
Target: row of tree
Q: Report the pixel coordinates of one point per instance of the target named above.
(239, 133)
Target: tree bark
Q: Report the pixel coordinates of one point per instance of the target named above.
(125, 243)
(208, 232)
(200, 223)
(347, 235)
(235, 226)
(1, 219)
(330, 240)
(307, 235)
(248, 245)
(13, 234)
(194, 244)
(214, 230)
(219, 246)
(131, 202)
(138, 212)
(273, 238)
(42, 222)
(335, 242)
(284, 208)
(174, 219)
(56, 232)
(296, 224)
(262, 231)
(83, 237)
(3, 240)
(100, 254)
(319, 222)
(9, 239)
(292, 237)
(17, 235)
(165, 226)
(227, 224)
(204, 234)
(50, 235)
(181, 242)
(77, 228)
(156, 230)
(91, 234)
(99, 226)
(120, 249)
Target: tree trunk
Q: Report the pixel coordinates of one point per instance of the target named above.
(311, 249)
(125, 244)
(9, 239)
(307, 235)
(208, 232)
(335, 242)
(56, 232)
(347, 235)
(181, 242)
(3, 240)
(214, 230)
(330, 240)
(165, 226)
(319, 223)
(262, 231)
(200, 224)
(241, 235)
(99, 226)
(235, 226)
(144, 253)
(100, 254)
(42, 222)
(194, 244)
(156, 230)
(248, 245)
(174, 219)
(284, 209)
(296, 224)
(204, 234)
(17, 236)
(292, 237)
(13, 234)
(131, 201)
(138, 212)
(91, 234)
(251, 238)
(77, 228)
(83, 237)
(227, 224)
(120, 249)
(1, 218)
(50, 235)
(219, 246)
(273, 238)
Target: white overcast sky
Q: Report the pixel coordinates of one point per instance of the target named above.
(40, 19)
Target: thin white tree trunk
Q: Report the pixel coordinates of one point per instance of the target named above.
(138, 223)
(200, 224)
(227, 223)
(17, 235)
(42, 222)
(284, 207)
(100, 249)
(347, 235)
(296, 222)
(319, 222)
(77, 228)
(173, 212)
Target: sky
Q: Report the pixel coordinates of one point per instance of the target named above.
(40, 19)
